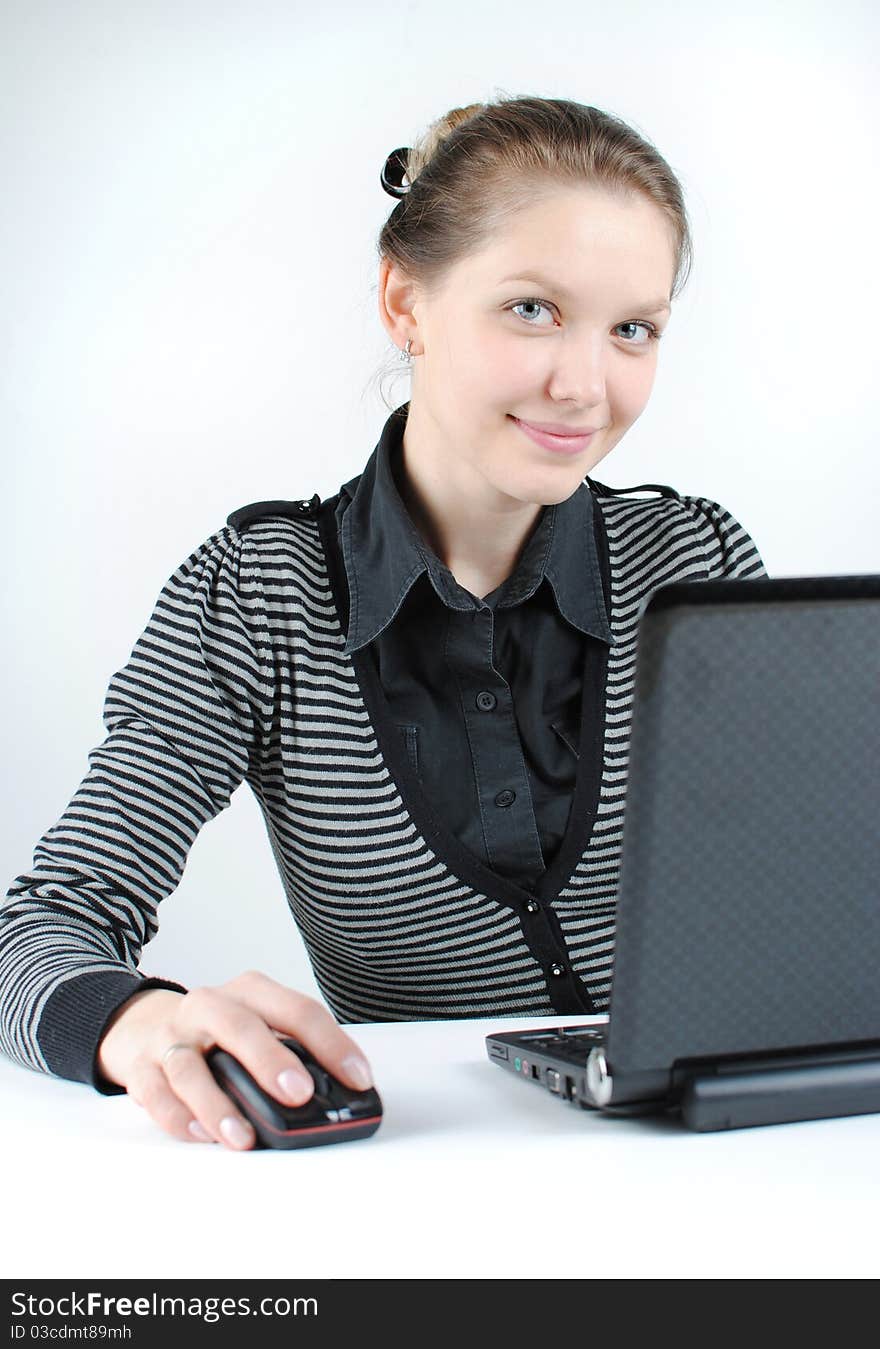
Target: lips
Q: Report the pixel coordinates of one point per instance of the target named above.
(557, 444)
(558, 428)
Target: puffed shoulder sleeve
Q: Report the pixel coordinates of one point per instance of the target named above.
(186, 717)
(730, 550)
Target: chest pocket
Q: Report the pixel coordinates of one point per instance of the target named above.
(569, 734)
(410, 735)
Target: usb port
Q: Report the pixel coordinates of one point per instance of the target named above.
(498, 1051)
(535, 1074)
(553, 1080)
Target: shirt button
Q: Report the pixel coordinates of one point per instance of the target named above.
(505, 798)
(556, 968)
(533, 906)
(486, 701)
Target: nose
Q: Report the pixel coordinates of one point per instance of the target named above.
(579, 373)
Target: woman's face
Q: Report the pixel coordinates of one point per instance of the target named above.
(574, 347)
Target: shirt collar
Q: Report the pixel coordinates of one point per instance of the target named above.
(384, 553)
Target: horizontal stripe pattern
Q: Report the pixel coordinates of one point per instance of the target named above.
(650, 543)
(239, 676)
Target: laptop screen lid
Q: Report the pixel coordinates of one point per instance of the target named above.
(748, 913)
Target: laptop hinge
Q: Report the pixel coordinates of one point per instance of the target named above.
(779, 1088)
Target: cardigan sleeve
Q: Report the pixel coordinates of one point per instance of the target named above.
(730, 550)
(185, 718)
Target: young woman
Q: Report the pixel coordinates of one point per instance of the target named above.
(426, 680)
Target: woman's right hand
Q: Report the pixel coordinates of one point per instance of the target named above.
(242, 1016)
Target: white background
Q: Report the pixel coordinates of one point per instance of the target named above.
(191, 203)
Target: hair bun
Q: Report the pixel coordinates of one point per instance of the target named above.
(394, 170)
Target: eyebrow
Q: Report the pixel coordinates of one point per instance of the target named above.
(654, 307)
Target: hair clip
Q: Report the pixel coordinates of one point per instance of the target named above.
(393, 172)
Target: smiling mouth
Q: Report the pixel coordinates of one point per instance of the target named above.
(557, 429)
(568, 445)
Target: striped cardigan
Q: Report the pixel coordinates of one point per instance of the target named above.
(239, 676)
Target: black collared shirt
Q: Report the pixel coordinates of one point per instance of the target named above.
(486, 692)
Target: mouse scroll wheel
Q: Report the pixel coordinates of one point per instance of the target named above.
(321, 1080)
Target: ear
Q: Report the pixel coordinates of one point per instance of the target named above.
(397, 302)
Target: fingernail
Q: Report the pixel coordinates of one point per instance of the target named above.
(198, 1132)
(235, 1132)
(359, 1072)
(295, 1085)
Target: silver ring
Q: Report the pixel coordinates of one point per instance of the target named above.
(180, 1044)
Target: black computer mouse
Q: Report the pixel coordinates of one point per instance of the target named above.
(334, 1114)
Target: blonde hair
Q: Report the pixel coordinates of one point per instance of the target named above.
(477, 166)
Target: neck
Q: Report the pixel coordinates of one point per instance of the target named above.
(478, 532)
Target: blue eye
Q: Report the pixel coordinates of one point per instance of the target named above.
(539, 303)
(653, 334)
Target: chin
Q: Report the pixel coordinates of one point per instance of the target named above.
(543, 494)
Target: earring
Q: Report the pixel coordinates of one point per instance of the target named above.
(405, 355)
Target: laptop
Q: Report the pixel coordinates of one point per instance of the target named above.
(746, 978)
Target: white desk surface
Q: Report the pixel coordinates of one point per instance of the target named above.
(472, 1174)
